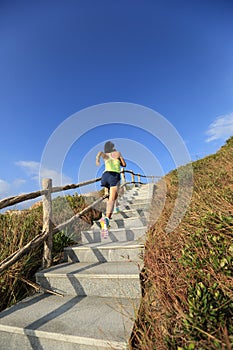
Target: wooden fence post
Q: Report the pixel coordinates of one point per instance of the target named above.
(133, 178)
(123, 176)
(139, 179)
(47, 223)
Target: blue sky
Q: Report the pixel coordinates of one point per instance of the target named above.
(60, 57)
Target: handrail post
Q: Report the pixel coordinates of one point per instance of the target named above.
(133, 178)
(139, 179)
(47, 223)
(123, 176)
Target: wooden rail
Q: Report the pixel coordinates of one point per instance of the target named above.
(7, 202)
(46, 236)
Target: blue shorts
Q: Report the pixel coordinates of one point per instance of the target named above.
(110, 179)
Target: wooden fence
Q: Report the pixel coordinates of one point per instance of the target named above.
(46, 236)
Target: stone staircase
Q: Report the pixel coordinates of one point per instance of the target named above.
(100, 281)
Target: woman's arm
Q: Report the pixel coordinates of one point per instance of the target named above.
(123, 163)
(100, 154)
(97, 158)
(118, 155)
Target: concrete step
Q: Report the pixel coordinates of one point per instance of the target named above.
(129, 213)
(105, 252)
(112, 279)
(70, 323)
(115, 235)
(127, 205)
(136, 191)
(137, 221)
(134, 199)
(129, 196)
(134, 206)
(137, 195)
(141, 189)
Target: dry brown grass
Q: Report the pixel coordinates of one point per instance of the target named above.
(188, 284)
(15, 231)
(17, 228)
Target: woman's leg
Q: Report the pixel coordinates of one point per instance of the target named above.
(113, 193)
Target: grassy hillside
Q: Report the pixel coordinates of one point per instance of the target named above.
(188, 276)
(17, 228)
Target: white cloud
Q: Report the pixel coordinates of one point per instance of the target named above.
(58, 178)
(35, 173)
(4, 188)
(8, 189)
(29, 166)
(18, 182)
(221, 128)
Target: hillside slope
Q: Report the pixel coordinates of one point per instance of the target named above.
(188, 284)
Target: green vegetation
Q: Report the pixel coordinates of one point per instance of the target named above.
(17, 228)
(188, 275)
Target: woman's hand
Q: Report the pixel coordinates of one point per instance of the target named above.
(97, 158)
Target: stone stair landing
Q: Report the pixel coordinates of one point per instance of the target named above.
(70, 323)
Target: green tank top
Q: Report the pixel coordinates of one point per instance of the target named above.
(113, 164)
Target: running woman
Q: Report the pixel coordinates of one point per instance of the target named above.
(110, 179)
